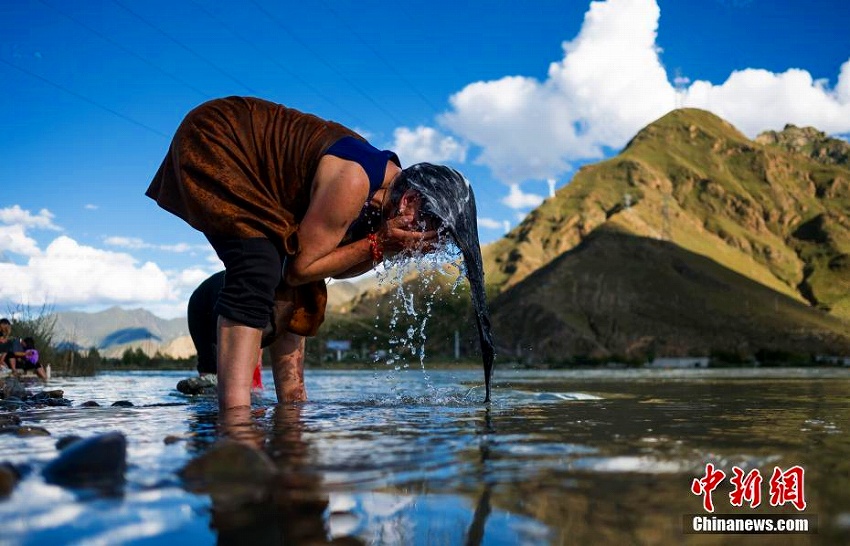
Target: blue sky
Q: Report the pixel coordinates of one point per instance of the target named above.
(514, 95)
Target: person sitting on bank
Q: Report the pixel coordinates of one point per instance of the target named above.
(8, 344)
(27, 359)
(287, 199)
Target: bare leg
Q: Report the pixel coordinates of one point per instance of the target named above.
(238, 350)
(287, 355)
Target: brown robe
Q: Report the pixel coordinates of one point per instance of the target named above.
(243, 167)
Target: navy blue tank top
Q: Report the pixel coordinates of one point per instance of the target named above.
(374, 162)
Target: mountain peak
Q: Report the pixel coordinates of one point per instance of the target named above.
(689, 124)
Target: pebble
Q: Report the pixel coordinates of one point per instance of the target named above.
(27, 431)
(90, 404)
(122, 404)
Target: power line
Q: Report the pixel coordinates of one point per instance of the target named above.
(187, 48)
(85, 99)
(277, 63)
(126, 49)
(306, 46)
(380, 57)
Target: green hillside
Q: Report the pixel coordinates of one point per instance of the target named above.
(774, 216)
(622, 296)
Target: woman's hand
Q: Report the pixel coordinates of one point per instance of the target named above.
(405, 232)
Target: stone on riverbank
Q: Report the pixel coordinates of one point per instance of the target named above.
(14, 396)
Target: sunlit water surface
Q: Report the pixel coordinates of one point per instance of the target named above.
(567, 457)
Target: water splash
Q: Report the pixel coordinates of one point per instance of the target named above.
(411, 305)
(447, 195)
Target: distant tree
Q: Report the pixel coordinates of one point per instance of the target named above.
(92, 358)
(134, 357)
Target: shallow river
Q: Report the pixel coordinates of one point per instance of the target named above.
(568, 457)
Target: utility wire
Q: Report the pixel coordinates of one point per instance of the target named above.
(277, 63)
(85, 99)
(307, 46)
(126, 50)
(380, 57)
(187, 48)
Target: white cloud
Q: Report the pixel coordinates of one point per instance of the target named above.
(192, 277)
(489, 223)
(517, 199)
(126, 242)
(15, 215)
(609, 84)
(67, 273)
(89, 206)
(426, 144)
(755, 100)
(135, 243)
(14, 239)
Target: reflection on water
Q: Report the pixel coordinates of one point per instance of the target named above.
(594, 457)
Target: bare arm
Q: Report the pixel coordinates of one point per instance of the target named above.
(339, 191)
(357, 269)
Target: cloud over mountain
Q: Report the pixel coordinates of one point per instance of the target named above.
(611, 82)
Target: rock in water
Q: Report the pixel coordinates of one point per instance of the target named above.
(9, 421)
(9, 478)
(10, 387)
(26, 430)
(231, 472)
(99, 461)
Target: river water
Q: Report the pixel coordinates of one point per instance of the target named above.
(558, 457)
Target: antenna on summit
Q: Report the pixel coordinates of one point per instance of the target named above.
(680, 84)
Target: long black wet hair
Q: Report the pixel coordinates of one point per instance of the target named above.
(447, 196)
